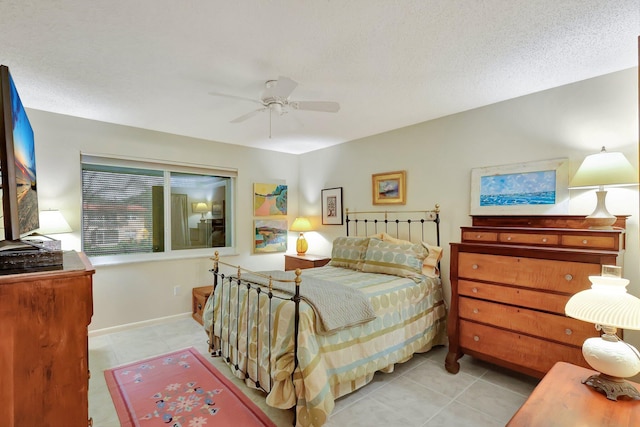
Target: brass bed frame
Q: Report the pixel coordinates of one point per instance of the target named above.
(362, 223)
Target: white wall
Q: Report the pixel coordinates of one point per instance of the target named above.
(570, 121)
(137, 292)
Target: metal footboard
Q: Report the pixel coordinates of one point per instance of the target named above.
(224, 346)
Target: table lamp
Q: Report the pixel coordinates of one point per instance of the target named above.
(609, 306)
(598, 170)
(201, 208)
(301, 224)
(53, 222)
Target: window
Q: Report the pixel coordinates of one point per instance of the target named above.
(137, 207)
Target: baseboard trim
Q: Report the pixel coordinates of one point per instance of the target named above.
(134, 325)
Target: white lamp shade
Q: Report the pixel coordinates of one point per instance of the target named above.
(200, 207)
(604, 168)
(52, 222)
(606, 303)
(301, 224)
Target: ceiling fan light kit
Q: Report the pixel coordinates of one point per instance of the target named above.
(275, 98)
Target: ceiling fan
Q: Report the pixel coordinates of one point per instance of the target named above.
(275, 99)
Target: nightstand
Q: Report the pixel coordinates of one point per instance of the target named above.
(292, 261)
(199, 299)
(560, 399)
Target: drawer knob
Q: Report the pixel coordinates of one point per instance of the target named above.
(568, 331)
(544, 240)
(478, 236)
(476, 338)
(568, 277)
(509, 238)
(475, 311)
(474, 290)
(474, 266)
(584, 242)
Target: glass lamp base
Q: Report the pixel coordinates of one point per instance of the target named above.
(612, 387)
(301, 245)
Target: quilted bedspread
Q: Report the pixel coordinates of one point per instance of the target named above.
(410, 318)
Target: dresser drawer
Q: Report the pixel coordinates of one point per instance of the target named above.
(544, 325)
(479, 236)
(515, 296)
(608, 242)
(534, 353)
(529, 238)
(561, 276)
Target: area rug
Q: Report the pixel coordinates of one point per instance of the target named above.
(179, 389)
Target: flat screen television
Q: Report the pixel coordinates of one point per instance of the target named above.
(17, 163)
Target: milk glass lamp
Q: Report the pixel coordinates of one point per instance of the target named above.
(609, 306)
(600, 170)
(301, 224)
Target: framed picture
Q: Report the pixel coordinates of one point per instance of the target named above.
(217, 209)
(389, 188)
(332, 206)
(269, 199)
(530, 188)
(270, 235)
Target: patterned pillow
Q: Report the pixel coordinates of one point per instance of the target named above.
(398, 259)
(430, 264)
(348, 252)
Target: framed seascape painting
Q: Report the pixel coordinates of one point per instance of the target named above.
(530, 188)
(269, 199)
(332, 206)
(389, 188)
(270, 235)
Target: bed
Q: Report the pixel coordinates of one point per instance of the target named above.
(309, 337)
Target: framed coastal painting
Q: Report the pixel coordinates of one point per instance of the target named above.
(270, 235)
(530, 188)
(269, 199)
(389, 188)
(332, 206)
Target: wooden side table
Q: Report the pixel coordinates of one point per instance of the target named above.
(561, 400)
(199, 299)
(291, 261)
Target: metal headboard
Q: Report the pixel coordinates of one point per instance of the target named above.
(396, 223)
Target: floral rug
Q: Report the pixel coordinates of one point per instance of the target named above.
(179, 389)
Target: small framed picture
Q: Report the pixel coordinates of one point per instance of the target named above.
(389, 188)
(269, 199)
(270, 235)
(332, 206)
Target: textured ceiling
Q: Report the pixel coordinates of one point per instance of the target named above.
(152, 63)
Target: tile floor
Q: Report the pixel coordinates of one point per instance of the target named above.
(419, 392)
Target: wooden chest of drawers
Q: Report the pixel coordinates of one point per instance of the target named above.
(199, 298)
(44, 355)
(509, 287)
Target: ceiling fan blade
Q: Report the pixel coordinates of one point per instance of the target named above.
(325, 106)
(280, 88)
(241, 98)
(247, 116)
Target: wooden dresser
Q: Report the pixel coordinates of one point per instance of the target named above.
(511, 277)
(44, 357)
